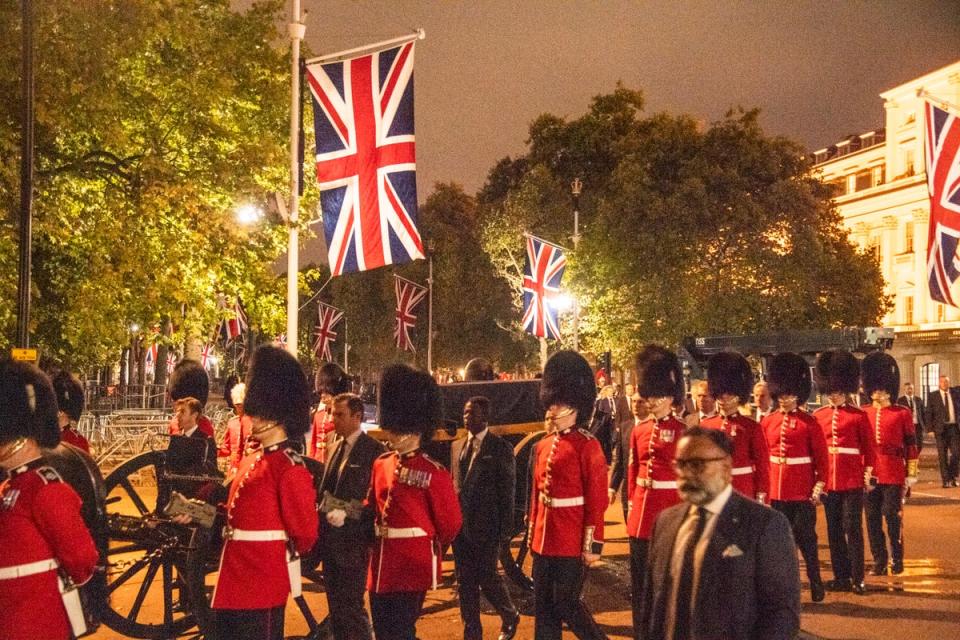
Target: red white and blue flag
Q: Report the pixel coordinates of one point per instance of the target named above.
(327, 319)
(235, 327)
(942, 146)
(366, 160)
(280, 341)
(542, 274)
(409, 295)
(205, 355)
(150, 361)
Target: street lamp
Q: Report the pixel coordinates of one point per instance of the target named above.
(248, 214)
(575, 188)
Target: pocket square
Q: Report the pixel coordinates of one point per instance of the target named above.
(733, 551)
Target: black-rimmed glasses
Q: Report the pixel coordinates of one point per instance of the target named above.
(696, 465)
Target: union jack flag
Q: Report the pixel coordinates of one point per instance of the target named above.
(150, 362)
(943, 182)
(280, 341)
(205, 356)
(542, 274)
(171, 362)
(236, 326)
(409, 295)
(327, 319)
(366, 160)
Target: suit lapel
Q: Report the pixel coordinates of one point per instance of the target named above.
(328, 468)
(728, 523)
(484, 447)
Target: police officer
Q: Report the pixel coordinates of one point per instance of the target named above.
(567, 500)
(730, 381)
(41, 529)
(416, 512)
(798, 458)
(851, 460)
(896, 460)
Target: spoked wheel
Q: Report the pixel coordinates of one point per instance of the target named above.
(514, 555)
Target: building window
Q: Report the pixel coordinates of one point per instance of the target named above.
(941, 313)
(864, 180)
(908, 163)
(929, 379)
(908, 310)
(878, 175)
(874, 248)
(908, 238)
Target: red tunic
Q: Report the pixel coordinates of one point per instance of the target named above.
(895, 442)
(849, 445)
(204, 426)
(72, 436)
(319, 435)
(40, 520)
(751, 457)
(798, 455)
(568, 494)
(651, 480)
(234, 440)
(272, 492)
(417, 514)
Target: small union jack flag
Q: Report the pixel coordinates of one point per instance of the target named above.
(542, 274)
(150, 363)
(327, 319)
(409, 295)
(366, 161)
(236, 326)
(943, 182)
(280, 341)
(171, 362)
(205, 356)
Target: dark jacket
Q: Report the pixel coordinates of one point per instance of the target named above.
(620, 462)
(921, 409)
(937, 413)
(749, 578)
(488, 491)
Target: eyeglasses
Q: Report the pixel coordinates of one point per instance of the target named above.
(696, 465)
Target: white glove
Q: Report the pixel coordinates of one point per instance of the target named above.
(336, 517)
(817, 493)
(911, 480)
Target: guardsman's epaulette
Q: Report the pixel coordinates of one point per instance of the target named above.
(415, 477)
(386, 454)
(48, 475)
(433, 462)
(293, 456)
(586, 433)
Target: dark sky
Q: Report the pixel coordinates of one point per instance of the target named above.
(487, 68)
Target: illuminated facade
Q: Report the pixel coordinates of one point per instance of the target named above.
(882, 197)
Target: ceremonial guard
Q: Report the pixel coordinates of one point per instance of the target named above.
(189, 380)
(651, 481)
(44, 543)
(331, 382)
(567, 500)
(69, 394)
(896, 460)
(730, 381)
(851, 461)
(416, 512)
(271, 507)
(237, 435)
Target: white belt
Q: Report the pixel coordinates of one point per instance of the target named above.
(560, 502)
(780, 460)
(32, 568)
(246, 535)
(401, 532)
(741, 471)
(853, 451)
(656, 484)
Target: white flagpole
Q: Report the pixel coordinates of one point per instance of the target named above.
(419, 34)
(947, 106)
(430, 313)
(296, 29)
(346, 346)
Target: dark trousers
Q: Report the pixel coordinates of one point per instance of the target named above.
(345, 585)
(844, 511)
(639, 550)
(476, 566)
(249, 624)
(395, 614)
(557, 586)
(803, 520)
(948, 450)
(919, 429)
(885, 503)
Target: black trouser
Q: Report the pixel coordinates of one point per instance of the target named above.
(557, 586)
(639, 550)
(885, 503)
(844, 511)
(803, 520)
(476, 566)
(948, 450)
(249, 624)
(345, 585)
(919, 429)
(395, 614)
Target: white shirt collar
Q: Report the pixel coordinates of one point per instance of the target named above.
(351, 439)
(190, 432)
(716, 505)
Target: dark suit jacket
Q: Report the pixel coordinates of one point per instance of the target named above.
(488, 491)
(937, 413)
(620, 461)
(346, 543)
(755, 595)
(921, 409)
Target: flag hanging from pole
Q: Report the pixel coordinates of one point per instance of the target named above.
(409, 295)
(235, 327)
(542, 273)
(942, 147)
(150, 362)
(206, 355)
(366, 160)
(327, 319)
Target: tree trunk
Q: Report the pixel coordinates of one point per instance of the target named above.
(543, 353)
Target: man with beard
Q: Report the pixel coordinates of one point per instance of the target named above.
(720, 564)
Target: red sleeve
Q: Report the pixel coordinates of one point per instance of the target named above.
(910, 435)
(205, 426)
(760, 453)
(57, 514)
(225, 447)
(445, 507)
(593, 468)
(818, 450)
(633, 465)
(867, 446)
(298, 507)
(316, 424)
(534, 494)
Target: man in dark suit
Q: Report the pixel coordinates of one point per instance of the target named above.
(942, 407)
(915, 404)
(621, 454)
(720, 564)
(345, 542)
(484, 476)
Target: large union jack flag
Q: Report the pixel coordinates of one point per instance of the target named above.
(542, 274)
(366, 161)
(942, 148)
(409, 295)
(327, 318)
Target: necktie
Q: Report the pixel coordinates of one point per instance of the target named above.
(465, 459)
(685, 579)
(335, 465)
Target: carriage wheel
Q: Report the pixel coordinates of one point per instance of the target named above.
(513, 556)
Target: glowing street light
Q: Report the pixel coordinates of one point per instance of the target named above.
(248, 214)
(562, 302)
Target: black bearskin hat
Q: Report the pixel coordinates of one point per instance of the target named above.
(659, 374)
(478, 370)
(69, 394)
(789, 375)
(189, 380)
(277, 390)
(568, 379)
(332, 379)
(228, 385)
(729, 372)
(28, 406)
(879, 372)
(409, 400)
(837, 371)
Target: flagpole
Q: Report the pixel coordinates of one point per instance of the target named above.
(419, 34)
(430, 310)
(296, 29)
(346, 346)
(947, 106)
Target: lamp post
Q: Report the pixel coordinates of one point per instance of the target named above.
(296, 29)
(575, 188)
